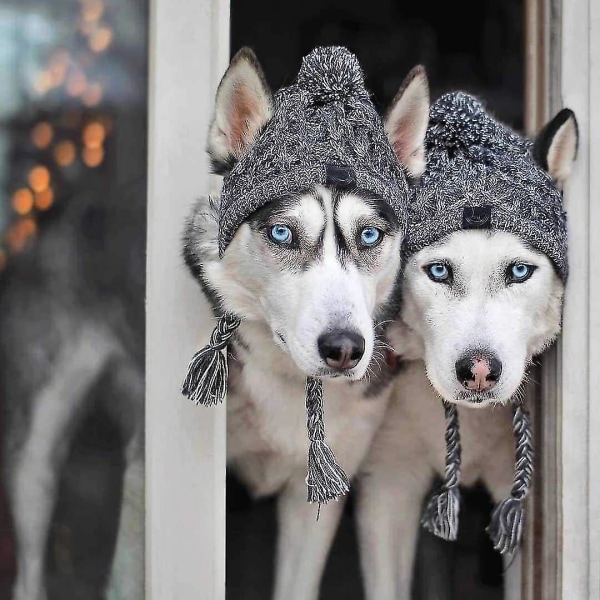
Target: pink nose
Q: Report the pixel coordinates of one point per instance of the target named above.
(478, 373)
(481, 372)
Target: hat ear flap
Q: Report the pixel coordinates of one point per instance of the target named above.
(407, 121)
(244, 104)
(555, 147)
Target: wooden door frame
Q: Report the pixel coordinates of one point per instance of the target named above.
(562, 552)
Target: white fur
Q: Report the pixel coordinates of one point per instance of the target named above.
(479, 310)
(409, 449)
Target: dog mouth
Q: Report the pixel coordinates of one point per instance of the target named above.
(475, 398)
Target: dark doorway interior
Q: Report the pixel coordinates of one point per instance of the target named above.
(476, 46)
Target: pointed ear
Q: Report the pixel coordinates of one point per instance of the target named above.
(555, 147)
(407, 121)
(244, 104)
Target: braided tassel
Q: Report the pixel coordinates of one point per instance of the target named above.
(325, 479)
(206, 379)
(440, 515)
(506, 527)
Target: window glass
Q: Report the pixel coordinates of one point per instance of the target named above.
(73, 106)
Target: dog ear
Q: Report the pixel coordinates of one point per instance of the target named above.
(407, 120)
(555, 147)
(244, 104)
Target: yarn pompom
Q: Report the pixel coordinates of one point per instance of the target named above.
(331, 74)
(458, 123)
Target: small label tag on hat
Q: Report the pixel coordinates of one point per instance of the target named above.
(341, 176)
(477, 217)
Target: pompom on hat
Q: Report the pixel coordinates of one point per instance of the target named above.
(482, 175)
(324, 130)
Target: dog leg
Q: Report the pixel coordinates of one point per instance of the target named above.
(34, 473)
(388, 514)
(499, 479)
(303, 542)
(127, 572)
(126, 404)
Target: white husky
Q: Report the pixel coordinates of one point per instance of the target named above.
(315, 311)
(441, 324)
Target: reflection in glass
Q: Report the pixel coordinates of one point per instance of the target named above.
(72, 278)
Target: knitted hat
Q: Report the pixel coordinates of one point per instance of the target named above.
(324, 130)
(481, 175)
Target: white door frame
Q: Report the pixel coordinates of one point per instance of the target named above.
(577, 78)
(185, 444)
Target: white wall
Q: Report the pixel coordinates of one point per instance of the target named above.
(185, 444)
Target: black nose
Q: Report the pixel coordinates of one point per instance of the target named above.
(341, 349)
(478, 371)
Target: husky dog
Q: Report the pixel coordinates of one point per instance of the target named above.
(72, 323)
(313, 280)
(477, 305)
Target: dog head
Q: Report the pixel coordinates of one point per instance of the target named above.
(315, 271)
(483, 302)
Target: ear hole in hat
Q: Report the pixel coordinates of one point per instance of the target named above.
(244, 104)
(407, 121)
(555, 147)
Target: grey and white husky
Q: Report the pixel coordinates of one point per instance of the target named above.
(319, 309)
(71, 332)
(481, 289)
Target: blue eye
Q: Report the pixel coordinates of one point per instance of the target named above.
(280, 234)
(438, 272)
(370, 236)
(519, 272)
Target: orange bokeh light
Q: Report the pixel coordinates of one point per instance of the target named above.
(19, 233)
(64, 153)
(92, 10)
(100, 39)
(22, 201)
(42, 82)
(93, 135)
(76, 84)
(44, 200)
(59, 64)
(42, 134)
(39, 178)
(93, 157)
(92, 95)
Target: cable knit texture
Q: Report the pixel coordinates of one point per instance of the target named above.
(325, 118)
(475, 161)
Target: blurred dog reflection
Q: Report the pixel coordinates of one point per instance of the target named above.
(72, 319)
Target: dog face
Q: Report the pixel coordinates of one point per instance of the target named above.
(483, 303)
(315, 270)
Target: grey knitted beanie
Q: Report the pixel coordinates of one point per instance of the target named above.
(481, 175)
(324, 130)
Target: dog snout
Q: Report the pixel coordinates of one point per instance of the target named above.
(341, 349)
(478, 372)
